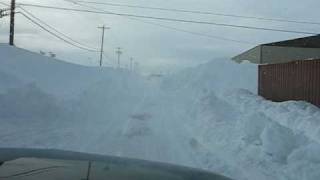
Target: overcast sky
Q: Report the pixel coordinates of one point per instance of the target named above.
(154, 46)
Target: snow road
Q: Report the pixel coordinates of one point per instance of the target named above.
(147, 130)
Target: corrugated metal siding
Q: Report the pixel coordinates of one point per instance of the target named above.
(299, 80)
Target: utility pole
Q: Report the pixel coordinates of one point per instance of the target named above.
(136, 66)
(12, 13)
(119, 53)
(131, 64)
(102, 43)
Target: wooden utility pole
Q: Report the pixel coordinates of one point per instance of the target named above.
(131, 64)
(102, 43)
(119, 53)
(12, 13)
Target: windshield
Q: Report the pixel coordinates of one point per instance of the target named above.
(230, 87)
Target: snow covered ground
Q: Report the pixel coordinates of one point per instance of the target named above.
(206, 117)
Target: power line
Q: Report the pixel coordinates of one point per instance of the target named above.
(199, 12)
(168, 27)
(57, 31)
(102, 53)
(4, 11)
(171, 19)
(5, 4)
(195, 33)
(54, 34)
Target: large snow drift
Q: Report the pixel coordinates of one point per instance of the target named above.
(206, 117)
(53, 76)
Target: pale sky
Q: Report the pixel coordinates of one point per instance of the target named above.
(154, 46)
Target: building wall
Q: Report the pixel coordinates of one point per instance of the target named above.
(299, 80)
(277, 54)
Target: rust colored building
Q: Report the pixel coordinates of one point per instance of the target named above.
(288, 70)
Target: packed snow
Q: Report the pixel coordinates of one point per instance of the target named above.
(208, 117)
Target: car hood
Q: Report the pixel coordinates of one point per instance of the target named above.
(57, 164)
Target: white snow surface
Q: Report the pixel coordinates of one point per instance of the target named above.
(54, 76)
(207, 117)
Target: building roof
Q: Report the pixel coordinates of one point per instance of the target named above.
(304, 42)
(283, 51)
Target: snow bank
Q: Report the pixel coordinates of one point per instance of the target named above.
(8, 81)
(219, 75)
(239, 134)
(29, 102)
(242, 136)
(62, 79)
(198, 117)
(298, 116)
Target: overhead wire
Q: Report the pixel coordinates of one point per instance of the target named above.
(5, 4)
(103, 53)
(57, 31)
(199, 12)
(195, 33)
(3, 11)
(54, 34)
(110, 59)
(166, 26)
(171, 19)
